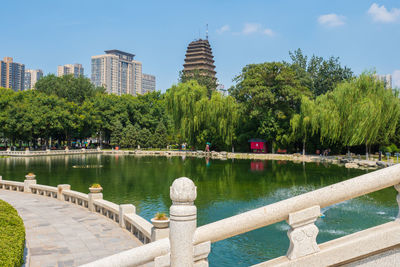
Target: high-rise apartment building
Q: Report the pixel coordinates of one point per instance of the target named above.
(386, 79)
(148, 83)
(12, 74)
(199, 58)
(75, 69)
(118, 72)
(31, 77)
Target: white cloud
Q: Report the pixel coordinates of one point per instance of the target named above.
(268, 32)
(223, 29)
(252, 28)
(381, 14)
(396, 78)
(331, 20)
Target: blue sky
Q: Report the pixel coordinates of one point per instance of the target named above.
(44, 34)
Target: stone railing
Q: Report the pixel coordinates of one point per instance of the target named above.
(11, 185)
(75, 197)
(44, 190)
(107, 208)
(48, 152)
(188, 245)
(136, 225)
(139, 227)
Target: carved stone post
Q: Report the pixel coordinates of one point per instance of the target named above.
(303, 232)
(30, 179)
(60, 189)
(92, 197)
(125, 209)
(160, 229)
(183, 214)
(397, 187)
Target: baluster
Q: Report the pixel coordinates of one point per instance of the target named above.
(303, 232)
(397, 187)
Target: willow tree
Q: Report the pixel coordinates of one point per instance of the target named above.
(378, 111)
(359, 111)
(199, 119)
(305, 123)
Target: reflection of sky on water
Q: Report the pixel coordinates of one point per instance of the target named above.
(225, 188)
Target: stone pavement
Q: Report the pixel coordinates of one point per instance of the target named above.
(63, 234)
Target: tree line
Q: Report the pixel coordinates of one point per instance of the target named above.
(302, 105)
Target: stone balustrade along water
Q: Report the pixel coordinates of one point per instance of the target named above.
(185, 244)
(189, 245)
(124, 214)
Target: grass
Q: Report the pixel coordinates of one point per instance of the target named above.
(12, 236)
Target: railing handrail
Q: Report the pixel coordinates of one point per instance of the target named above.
(107, 205)
(8, 182)
(279, 211)
(44, 187)
(74, 193)
(134, 257)
(140, 223)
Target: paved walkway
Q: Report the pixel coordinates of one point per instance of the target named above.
(63, 234)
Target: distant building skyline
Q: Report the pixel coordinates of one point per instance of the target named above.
(75, 69)
(31, 77)
(148, 83)
(118, 72)
(386, 79)
(12, 74)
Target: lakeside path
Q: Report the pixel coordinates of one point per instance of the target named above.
(63, 234)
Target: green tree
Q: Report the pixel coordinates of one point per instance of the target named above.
(68, 87)
(359, 111)
(130, 136)
(144, 138)
(304, 124)
(318, 74)
(159, 137)
(199, 119)
(203, 78)
(117, 133)
(269, 95)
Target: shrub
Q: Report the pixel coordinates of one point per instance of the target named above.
(394, 148)
(160, 216)
(12, 236)
(95, 186)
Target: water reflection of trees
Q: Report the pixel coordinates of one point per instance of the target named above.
(130, 179)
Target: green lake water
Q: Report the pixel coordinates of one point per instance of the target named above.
(224, 188)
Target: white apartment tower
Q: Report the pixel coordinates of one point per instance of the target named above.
(31, 77)
(75, 69)
(386, 79)
(118, 72)
(148, 83)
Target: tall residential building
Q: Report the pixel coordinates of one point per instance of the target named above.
(75, 69)
(199, 57)
(118, 72)
(31, 77)
(148, 83)
(12, 74)
(386, 79)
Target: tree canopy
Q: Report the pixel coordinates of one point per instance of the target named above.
(269, 94)
(199, 119)
(318, 74)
